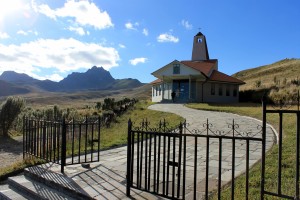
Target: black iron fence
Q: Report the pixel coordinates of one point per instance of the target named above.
(180, 163)
(282, 109)
(63, 142)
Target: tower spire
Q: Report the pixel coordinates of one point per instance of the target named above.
(200, 51)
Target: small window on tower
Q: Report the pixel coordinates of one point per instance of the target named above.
(176, 68)
(199, 40)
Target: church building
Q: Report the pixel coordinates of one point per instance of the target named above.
(196, 80)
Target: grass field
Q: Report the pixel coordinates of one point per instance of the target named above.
(288, 156)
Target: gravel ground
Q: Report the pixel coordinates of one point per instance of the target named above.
(11, 150)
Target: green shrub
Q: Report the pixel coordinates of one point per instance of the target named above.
(10, 110)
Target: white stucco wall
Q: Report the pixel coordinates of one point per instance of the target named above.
(167, 90)
(168, 71)
(156, 95)
(159, 95)
(161, 92)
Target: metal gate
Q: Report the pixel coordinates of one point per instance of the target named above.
(179, 163)
(61, 142)
(277, 178)
(155, 160)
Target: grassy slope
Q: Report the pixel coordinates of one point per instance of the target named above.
(288, 159)
(287, 68)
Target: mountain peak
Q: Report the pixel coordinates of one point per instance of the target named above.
(96, 69)
(94, 78)
(11, 76)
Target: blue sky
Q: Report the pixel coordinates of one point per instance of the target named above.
(49, 39)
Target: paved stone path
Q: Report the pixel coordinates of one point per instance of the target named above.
(107, 178)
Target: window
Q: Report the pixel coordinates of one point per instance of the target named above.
(199, 40)
(212, 89)
(227, 90)
(156, 90)
(176, 68)
(235, 91)
(220, 89)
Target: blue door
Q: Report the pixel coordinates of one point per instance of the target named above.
(181, 88)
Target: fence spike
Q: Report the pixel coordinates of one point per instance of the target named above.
(233, 127)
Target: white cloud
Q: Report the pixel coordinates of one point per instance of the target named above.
(21, 32)
(77, 30)
(145, 32)
(122, 46)
(136, 61)
(54, 77)
(62, 55)
(34, 32)
(167, 37)
(3, 35)
(132, 26)
(186, 24)
(84, 12)
(25, 33)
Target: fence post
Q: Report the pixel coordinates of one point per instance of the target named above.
(297, 152)
(24, 136)
(128, 176)
(63, 145)
(264, 126)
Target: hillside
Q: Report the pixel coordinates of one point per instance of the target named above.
(281, 80)
(82, 98)
(7, 89)
(288, 69)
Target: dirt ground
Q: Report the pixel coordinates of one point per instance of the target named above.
(11, 150)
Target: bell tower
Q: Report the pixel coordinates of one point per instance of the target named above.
(200, 51)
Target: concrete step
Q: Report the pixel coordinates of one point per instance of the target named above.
(33, 189)
(8, 193)
(57, 181)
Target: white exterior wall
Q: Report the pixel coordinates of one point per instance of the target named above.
(156, 95)
(161, 92)
(167, 90)
(184, 71)
(208, 97)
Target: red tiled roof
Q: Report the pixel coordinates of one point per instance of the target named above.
(219, 76)
(205, 67)
(202, 66)
(156, 81)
